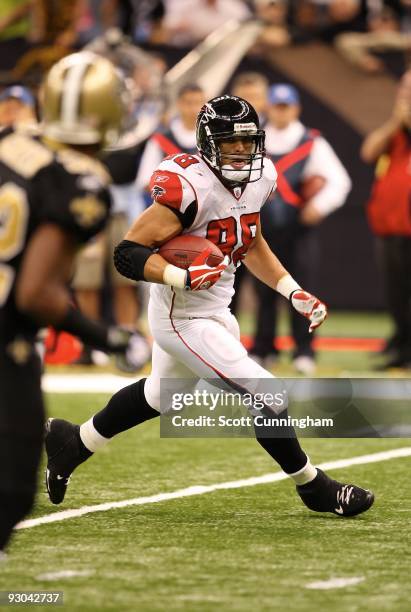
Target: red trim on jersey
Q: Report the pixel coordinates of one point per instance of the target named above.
(186, 179)
(166, 188)
(167, 146)
(187, 345)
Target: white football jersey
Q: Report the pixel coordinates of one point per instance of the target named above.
(207, 208)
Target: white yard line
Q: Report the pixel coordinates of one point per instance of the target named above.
(335, 583)
(202, 489)
(63, 574)
(85, 383)
(383, 389)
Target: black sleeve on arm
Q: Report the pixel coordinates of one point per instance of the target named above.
(186, 218)
(130, 259)
(114, 340)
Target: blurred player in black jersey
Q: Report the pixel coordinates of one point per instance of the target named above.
(53, 198)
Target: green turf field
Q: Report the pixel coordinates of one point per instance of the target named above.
(249, 548)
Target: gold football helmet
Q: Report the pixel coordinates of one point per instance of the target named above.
(84, 101)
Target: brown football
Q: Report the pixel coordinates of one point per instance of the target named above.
(182, 250)
(311, 186)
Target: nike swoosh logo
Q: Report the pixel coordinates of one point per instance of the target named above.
(337, 510)
(60, 477)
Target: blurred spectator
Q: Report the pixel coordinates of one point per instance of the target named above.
(324, 20)
(383, 35)
(93, 262)
(16, 17)
(273, 14)
(139, 19)
(187, 22)
(253, 87)
(59, 18)
(90, 24)
(311, 184)
(94, 266)
(143, 70)
(390, 220)
(17, 106)
(55, 34)
(343, 11)
(178, 136)
(403, 10)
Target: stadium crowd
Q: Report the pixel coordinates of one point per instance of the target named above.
(50, 28)
(138, 35)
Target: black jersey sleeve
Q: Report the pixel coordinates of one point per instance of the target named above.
(78, 203)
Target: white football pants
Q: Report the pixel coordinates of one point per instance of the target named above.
(191, 349)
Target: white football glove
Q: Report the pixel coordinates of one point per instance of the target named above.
(309, 306)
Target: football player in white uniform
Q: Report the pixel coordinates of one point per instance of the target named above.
(216, 194)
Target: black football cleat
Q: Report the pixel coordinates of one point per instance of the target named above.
(65, 451)
(323, 494)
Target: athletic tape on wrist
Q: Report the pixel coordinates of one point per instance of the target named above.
(286, 285)
(175, 277)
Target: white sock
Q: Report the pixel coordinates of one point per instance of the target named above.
(305, 475)
(90, 436)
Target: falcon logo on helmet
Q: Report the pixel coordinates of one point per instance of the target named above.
(227, 118)
(207, 113)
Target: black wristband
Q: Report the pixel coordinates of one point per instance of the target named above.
(99, 336)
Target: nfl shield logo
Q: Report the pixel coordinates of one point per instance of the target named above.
(237, 192)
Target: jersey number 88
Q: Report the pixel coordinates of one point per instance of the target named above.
(223, 233)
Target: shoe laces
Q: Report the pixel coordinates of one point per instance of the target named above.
(344, 494)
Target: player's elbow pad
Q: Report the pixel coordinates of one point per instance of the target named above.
(130, 259)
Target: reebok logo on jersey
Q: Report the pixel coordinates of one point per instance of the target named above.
(162, 178)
